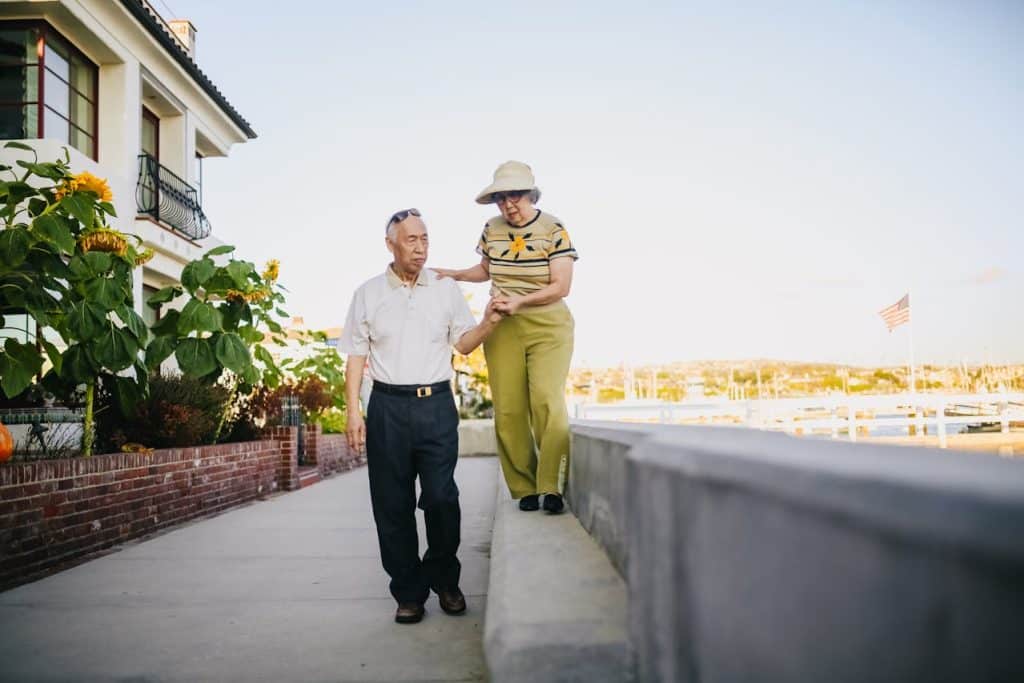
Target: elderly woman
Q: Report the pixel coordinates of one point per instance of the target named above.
(527, 256)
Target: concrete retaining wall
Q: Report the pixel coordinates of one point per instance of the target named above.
(556, 608)
(597, 489)
(476, 437)
(758, 556)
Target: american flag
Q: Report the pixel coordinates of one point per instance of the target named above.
(897, 314)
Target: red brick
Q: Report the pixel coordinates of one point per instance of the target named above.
(123, 475)
(128, 495)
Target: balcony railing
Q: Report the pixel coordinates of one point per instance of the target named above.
(166, 197)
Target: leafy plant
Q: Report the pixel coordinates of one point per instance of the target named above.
(311, 392)
(218, 334)
(333, 421)
(316, 379)
(241, 423)
(179, 411)
(62, 264)
(323, 363)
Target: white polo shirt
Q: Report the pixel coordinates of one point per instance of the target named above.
(407, 332)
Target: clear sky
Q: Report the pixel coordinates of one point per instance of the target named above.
(742, 180)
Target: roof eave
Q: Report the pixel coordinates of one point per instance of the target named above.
(155, 28)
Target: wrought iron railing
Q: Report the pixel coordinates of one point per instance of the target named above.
(166, 197)
(291, 415)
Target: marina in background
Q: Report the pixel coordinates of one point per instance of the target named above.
(963, 407)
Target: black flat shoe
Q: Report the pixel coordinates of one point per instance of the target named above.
(529, 503)
(553, 503)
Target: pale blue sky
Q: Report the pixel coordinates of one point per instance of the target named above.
(741, 181)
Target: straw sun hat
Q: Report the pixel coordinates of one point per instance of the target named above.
(510, 176)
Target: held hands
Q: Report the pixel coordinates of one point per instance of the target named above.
(491, 314)
(506, 305)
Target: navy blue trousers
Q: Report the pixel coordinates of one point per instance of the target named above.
(406, 438)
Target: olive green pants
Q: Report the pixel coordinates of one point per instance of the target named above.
(528, 361)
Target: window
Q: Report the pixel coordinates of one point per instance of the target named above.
(150, 146)
(150, 134)
(150, 315)
(18, 325)
(19, 84)
(48, 89)
(198, 178)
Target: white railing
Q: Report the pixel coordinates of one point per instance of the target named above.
(835, 415)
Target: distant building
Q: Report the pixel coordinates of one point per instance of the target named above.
(333, 336)
(296, 328)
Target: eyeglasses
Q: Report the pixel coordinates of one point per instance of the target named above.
(400, 216)
(514, 195)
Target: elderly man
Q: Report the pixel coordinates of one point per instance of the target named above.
(406, 321)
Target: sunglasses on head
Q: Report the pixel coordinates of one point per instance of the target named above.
(400, 216)
(514, 195)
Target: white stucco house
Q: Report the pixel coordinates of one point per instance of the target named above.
(119, 86)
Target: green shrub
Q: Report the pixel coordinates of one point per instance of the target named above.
(262, 408)
(180, 411)
(265, 404)
(333, 421)
(242, 423)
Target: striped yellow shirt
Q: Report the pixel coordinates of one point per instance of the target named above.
(520, 257)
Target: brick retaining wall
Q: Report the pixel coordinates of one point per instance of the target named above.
(53, 511)
(287, 439)
(56, 511)
(330, 452)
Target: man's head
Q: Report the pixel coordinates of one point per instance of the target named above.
(407, 241)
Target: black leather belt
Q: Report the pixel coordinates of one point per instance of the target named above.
(417, 390)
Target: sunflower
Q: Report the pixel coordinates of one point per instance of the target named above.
(85, 182)
(258, 294)
(104, 239)
(144, 257)
(273, 270)
(255, 295)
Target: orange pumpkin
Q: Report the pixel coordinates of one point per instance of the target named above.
(6, 443)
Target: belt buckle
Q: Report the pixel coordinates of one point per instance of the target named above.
(423, 392)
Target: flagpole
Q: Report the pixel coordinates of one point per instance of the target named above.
(913, 374)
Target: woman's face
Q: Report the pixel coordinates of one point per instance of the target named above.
(515, 206)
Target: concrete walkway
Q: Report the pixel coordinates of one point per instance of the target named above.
(289, 589)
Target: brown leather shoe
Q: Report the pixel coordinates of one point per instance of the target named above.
(452, 601)
(409, 613)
